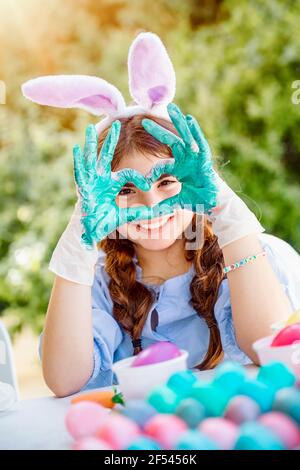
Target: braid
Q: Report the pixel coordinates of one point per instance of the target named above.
(132, 300)
(208, 263)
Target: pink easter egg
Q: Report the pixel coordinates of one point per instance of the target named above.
(119, 431)
(84, 418)
(288, 335)
(91, 443)
(283, 426)
(157, 352)
(165, 429)
(220, 430)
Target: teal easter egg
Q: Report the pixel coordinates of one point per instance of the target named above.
(139, 411)
(212, 398)
(191, 411)
(260, 392)
(182, 382)
(254, 436)
(230, 376)
(277, 375)
(195, 440)
(287, 400)
(241, 409)
(163, 399)
(144, 443)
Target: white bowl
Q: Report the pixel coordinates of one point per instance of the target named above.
(137, 382)
(289, 355)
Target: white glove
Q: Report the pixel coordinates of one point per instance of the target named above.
(232, 219)
(70, 258)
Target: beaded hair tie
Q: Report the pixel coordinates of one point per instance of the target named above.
(244, 261)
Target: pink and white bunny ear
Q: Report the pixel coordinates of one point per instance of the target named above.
(152, 79)
(93, 94)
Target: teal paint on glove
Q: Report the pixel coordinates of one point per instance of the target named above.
(98, 186)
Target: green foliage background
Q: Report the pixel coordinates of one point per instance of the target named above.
(235, 63)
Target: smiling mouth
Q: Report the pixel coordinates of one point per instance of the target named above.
(155, 224)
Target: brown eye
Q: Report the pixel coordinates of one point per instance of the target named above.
(167, 182)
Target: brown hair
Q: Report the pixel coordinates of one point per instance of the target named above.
(132, 299)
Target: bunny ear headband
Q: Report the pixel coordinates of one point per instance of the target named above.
(152, 83)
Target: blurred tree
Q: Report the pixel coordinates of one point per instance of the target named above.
(203, 12)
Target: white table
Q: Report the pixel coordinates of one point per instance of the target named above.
(38, 424)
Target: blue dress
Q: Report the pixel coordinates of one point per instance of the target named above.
(171, 318)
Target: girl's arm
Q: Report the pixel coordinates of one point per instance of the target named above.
(257, 297)
(67, 346)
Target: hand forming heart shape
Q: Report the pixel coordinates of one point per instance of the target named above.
(98, 186)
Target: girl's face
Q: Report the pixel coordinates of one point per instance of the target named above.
(157, 233)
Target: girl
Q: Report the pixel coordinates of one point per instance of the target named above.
(145, 283)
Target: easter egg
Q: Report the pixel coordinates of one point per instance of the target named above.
(195, 440)
(157, 352)
(119, 431)
(212, 397)
(254, 436)
(283, 426)
(263, 394)
(229, 376)
(139, 411)
(288, 335)
(287, 400)
(191, 411)
(91, 443)
(182, 382)
(276, 374)
(163, 399)
(84, 419)
(241, 409)
(144, 443)
(220, 430)
(165, 429)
